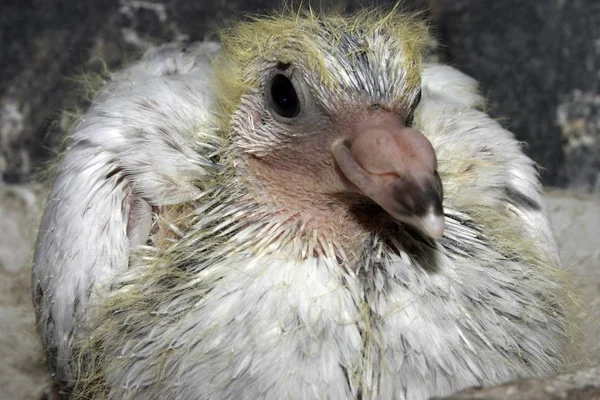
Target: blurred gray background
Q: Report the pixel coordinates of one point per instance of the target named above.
(538, 63)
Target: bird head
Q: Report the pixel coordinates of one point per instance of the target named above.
(319, 112)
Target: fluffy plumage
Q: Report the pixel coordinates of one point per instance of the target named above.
(192, 247)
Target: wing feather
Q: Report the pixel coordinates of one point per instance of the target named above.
(138, 146)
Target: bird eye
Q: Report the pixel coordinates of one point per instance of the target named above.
(283, 97)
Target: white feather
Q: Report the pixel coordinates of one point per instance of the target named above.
(425, 319)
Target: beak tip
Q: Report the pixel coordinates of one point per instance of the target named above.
(432, 225)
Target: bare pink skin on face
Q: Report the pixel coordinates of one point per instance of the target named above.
(395, 166)
(320, 176)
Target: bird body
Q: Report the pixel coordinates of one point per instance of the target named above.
(265, 221)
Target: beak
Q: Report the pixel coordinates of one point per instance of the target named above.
(396, 167)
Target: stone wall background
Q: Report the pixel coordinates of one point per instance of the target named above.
(538, 63)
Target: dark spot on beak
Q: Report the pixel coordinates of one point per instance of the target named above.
(417, 199)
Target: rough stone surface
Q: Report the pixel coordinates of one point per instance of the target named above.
(23, 374)
(538, 63)
(575, 219)
(581, 385)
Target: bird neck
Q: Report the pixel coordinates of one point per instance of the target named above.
(328, 222)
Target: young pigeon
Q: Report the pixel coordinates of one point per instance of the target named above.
(310, 211)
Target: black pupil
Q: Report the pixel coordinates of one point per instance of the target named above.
(284, 98)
